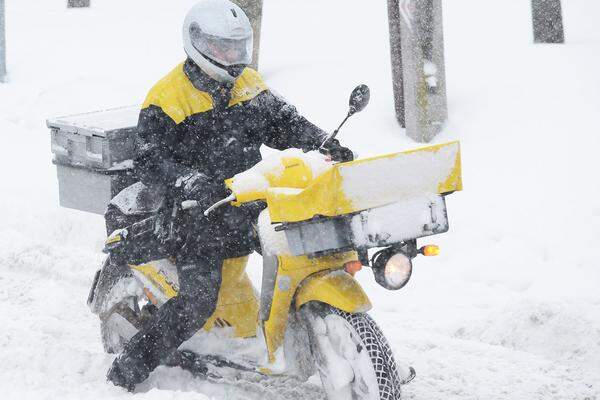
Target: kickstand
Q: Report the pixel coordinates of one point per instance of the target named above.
(203, 365)
(189, 362)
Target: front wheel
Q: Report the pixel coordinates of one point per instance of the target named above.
(352, 355)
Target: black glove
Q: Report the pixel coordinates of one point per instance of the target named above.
(227, 230)
(197, 186)
(338, 152)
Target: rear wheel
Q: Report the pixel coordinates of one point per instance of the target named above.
(117, 299)
(119, 325)
(352, 355)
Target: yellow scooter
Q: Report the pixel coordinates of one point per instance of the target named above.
(322, 224)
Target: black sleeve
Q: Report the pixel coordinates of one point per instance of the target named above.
(154, 161)
(285, 127)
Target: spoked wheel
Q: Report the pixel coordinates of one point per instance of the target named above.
(352, 355)
(119, 325)
(118, 307)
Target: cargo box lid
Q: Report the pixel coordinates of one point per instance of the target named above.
(98, 123)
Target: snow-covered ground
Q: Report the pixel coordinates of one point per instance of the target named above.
(510, 310)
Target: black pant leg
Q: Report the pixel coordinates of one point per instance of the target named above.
(182, 316)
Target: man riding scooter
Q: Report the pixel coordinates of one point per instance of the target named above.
(202, 123)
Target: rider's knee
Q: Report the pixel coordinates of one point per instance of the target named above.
(199, 291)
(201, 297)
(203, 301)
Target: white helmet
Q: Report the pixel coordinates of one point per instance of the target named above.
(217, 36)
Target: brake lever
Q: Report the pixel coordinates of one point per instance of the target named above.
(219, 203)
(190, 204)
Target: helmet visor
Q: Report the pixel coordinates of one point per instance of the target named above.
(224, 51)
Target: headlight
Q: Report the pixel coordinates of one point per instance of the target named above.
(392, 269)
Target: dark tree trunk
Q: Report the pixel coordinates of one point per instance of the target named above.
(78, 3)
(2, 43)
(253, 9)
(396, 55)
(547, 21)
(418, 67)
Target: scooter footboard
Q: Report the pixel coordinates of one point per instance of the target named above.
(336, 288)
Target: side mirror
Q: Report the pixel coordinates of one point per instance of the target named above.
(359, 99)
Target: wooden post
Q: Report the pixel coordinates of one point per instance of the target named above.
(423, 68)
(78, 3)
(547, 21)
(396, 55)
(2, 42)
(253, 9)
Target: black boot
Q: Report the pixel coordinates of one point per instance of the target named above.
(127, 372)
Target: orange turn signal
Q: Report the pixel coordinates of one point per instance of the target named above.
(430, 250)
(352, 267)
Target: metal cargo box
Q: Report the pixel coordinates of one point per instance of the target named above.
(93, 154)
(90, 190)
(100, 139)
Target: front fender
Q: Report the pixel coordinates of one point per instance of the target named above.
(336, 288)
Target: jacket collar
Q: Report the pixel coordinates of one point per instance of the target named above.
(220, 92)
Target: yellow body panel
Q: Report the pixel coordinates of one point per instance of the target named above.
(292, 172)
(323, 197)
(237, 305)
(242, 317)
(338, 289)
(292, 272)
(159, 280)
(236, 282)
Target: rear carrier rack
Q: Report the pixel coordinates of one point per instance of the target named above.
(407, 219)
